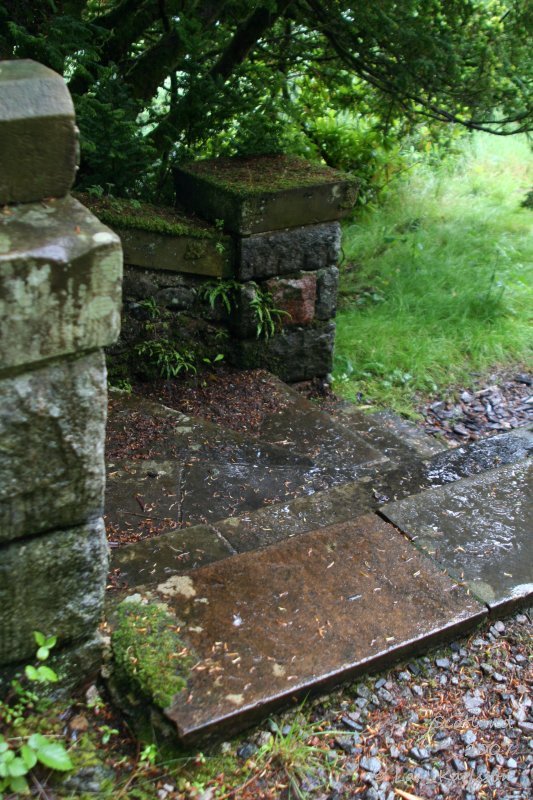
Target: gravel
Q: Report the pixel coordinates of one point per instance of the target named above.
(471, 738)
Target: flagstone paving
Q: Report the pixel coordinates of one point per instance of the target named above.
(270, 548)
(480, 530)
(265, 627)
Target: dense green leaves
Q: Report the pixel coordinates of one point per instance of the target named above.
(157, 81)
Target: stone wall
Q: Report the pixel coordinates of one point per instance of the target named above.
(60, 294)
(294, 268)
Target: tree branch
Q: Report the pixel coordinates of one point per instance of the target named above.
(372, 75)
(242, 43)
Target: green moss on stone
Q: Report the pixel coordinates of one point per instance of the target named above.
(245, 177)
(119, 212)
(148, 651)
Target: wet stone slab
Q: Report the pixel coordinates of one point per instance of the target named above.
(174, 553)
(316, 435)
(310, 612)
(156, 496)
(479, 529)
(272, 524)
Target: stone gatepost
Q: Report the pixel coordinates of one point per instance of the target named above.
(283, 214)
(60, 293)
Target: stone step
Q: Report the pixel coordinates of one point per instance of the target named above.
(480, 530)
(392, 435)
(168, 470)
(177, 550)
(261, 629)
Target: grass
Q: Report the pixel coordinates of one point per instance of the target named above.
(437, 282)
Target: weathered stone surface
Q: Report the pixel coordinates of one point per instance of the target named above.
(176, 253)
(60, 282)
(309, 612)
(253, 209)
(296, 295)
(479, 529)
(313, 433)
(294, 354)
(274, 523)
(327, 286)
(38, 135)
(155, 560)
(243, 320)
(277, 253)
(52, 428)
(53, 583)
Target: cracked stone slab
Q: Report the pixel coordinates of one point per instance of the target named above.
(274, 523)
(310, 612)
(479, 529)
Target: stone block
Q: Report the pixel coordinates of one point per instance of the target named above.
(38, 134)
(278, 253)
(60, 283)
(296, 296)
(294, 354)
(53, 583)
(264, 193)
(176, 253)
(52, 428)
(327, 286)
(242, 321)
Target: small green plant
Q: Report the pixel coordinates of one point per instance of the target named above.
(212, 361)
(17, 760)
(151, 307)
(267, 316)
(148, 755)
(19, 755)
(296, 751)
(163, 356)
(107, 732)
(225, 292)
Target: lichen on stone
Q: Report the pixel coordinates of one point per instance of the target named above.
(149, 654)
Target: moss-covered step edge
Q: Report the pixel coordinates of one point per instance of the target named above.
(150, 661)
(156, 237)
(264, 193)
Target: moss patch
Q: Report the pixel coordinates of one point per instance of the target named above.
(117, 212)
(262, 174)
(148, 652)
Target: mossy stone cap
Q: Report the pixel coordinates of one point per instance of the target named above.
(38, 134)
(254, 194)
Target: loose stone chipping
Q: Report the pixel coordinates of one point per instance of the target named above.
(55, 583)
(52, 428)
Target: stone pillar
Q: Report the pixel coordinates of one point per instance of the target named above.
(283, 214)
(60, 292)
